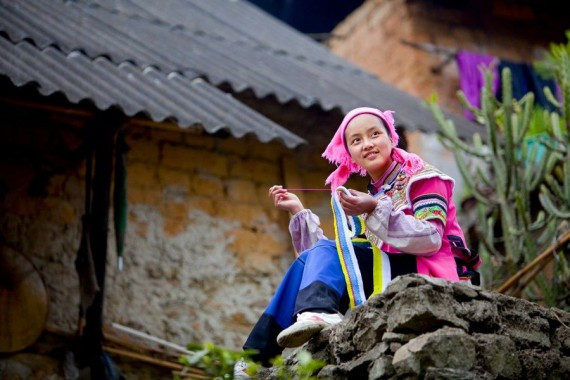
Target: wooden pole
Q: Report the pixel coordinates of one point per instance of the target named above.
(192, 372)
(514, 279)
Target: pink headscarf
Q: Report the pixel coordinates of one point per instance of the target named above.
(337, 150)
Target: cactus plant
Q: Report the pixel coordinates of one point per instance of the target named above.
(523, 201)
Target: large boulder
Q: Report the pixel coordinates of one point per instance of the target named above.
(428, 328)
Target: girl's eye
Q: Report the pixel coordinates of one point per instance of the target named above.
(375, 133)
(354, 141)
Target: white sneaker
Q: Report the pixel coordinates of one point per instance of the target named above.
(307, 325)
(240, 368)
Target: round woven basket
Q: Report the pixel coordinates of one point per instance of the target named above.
(23, 301)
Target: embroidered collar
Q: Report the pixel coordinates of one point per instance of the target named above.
(387, 180)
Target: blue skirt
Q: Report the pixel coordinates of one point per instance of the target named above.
(315, 282)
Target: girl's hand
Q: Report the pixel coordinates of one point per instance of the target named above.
(284, 200)
(357, 203)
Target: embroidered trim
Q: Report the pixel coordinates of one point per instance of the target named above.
(346, 255)
(431, 212)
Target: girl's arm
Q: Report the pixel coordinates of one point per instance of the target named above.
(305, 227)
(404, 232)
(420, 233)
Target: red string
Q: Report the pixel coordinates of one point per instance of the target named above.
(302, 189)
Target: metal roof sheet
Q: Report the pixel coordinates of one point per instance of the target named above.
(237, 21)
(146, 35)
(187, 100)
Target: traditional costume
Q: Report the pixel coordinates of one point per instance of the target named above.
(413, 229)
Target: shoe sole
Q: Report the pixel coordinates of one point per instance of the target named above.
(290, 339)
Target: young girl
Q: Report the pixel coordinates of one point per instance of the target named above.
(408, 219)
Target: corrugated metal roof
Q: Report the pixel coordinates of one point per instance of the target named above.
(147, 35)
(187, 100)
(237, 21)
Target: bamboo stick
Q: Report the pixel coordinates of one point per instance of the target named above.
(511, 281)
(125, 343)
(150, 338)
(144, 358)
(193, 372)
(519, 289)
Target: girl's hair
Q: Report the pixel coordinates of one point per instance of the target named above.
(337, 150)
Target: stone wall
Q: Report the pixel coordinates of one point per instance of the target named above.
(205, 248)
(432, 329)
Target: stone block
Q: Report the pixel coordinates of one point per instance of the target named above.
(201, 203)
(174, 210)
(152, 197)
(248, 215)
(143, 150)
(213, 163)
(482, 315)
(497, 355)
(358, 367)
(204, 141)
(241, 191)
(311, 177)
(270, 151)
(381, 368)
(526, 331)
(207, 185)
(142, 175)
(184, 157)
(403, 282)
(239, 147)
(465, 291)
(168, 176)
(444, 348)
(331, 372)
(140, 228)
(540, 364)
(63, 212)
(369, 328)
(422, 309)
(391, 337)
(174, 136)
(173, 227)
(254, 250)
(449, 374)
(262, 172)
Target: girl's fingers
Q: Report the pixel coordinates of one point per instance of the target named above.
(274, 188)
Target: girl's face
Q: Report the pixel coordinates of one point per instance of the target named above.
(369, 144)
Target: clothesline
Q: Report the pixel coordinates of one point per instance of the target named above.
(524, 77)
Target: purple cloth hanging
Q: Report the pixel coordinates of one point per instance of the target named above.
(472, 79)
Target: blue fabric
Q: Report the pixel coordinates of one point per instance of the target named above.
(319, 263)
(538, 85)
(524, 80)
(315, 282)
(520, 85)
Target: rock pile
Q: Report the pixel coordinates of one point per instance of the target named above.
(432, 329)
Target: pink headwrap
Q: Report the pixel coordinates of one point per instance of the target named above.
(337, 150)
